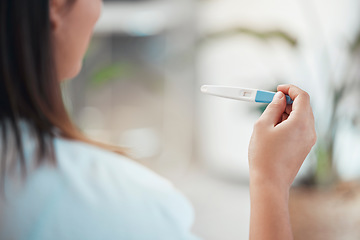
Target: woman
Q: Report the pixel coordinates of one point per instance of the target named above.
(57, 184)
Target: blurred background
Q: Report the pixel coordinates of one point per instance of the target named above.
(140, 88)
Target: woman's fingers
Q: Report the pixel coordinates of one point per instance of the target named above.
(284, 116)
(288, 109)
(301, 105)
(300, 97)
(300, 111)
(274, 110)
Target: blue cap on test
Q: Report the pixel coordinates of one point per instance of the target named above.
(267, 97)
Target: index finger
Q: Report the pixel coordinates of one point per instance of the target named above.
(301, 108)
(300, 97)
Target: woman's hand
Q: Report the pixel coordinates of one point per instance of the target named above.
(282, 138)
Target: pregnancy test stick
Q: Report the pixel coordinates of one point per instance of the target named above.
(243, 94)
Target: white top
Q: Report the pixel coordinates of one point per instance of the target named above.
(92, 194)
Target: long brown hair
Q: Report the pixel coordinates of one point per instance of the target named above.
(29, 88)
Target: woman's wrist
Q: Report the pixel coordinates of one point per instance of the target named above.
(269, 210)
(269, 186)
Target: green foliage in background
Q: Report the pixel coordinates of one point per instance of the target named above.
(111, 72)
(261, 35)
(355, 48)
(325, 173)
(126, 72)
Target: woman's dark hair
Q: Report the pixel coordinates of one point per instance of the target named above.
(29, 88)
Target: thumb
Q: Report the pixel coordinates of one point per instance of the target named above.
(273, 112)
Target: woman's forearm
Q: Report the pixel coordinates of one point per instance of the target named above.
(282, 138)
(269, 219)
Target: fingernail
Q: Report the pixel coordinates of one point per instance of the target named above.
(279, 95)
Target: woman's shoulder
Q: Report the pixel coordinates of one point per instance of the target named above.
(99, 191)
(101, 176)
(125, 191)
(89, 161)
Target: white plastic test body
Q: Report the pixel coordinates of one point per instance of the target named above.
(243, 94)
